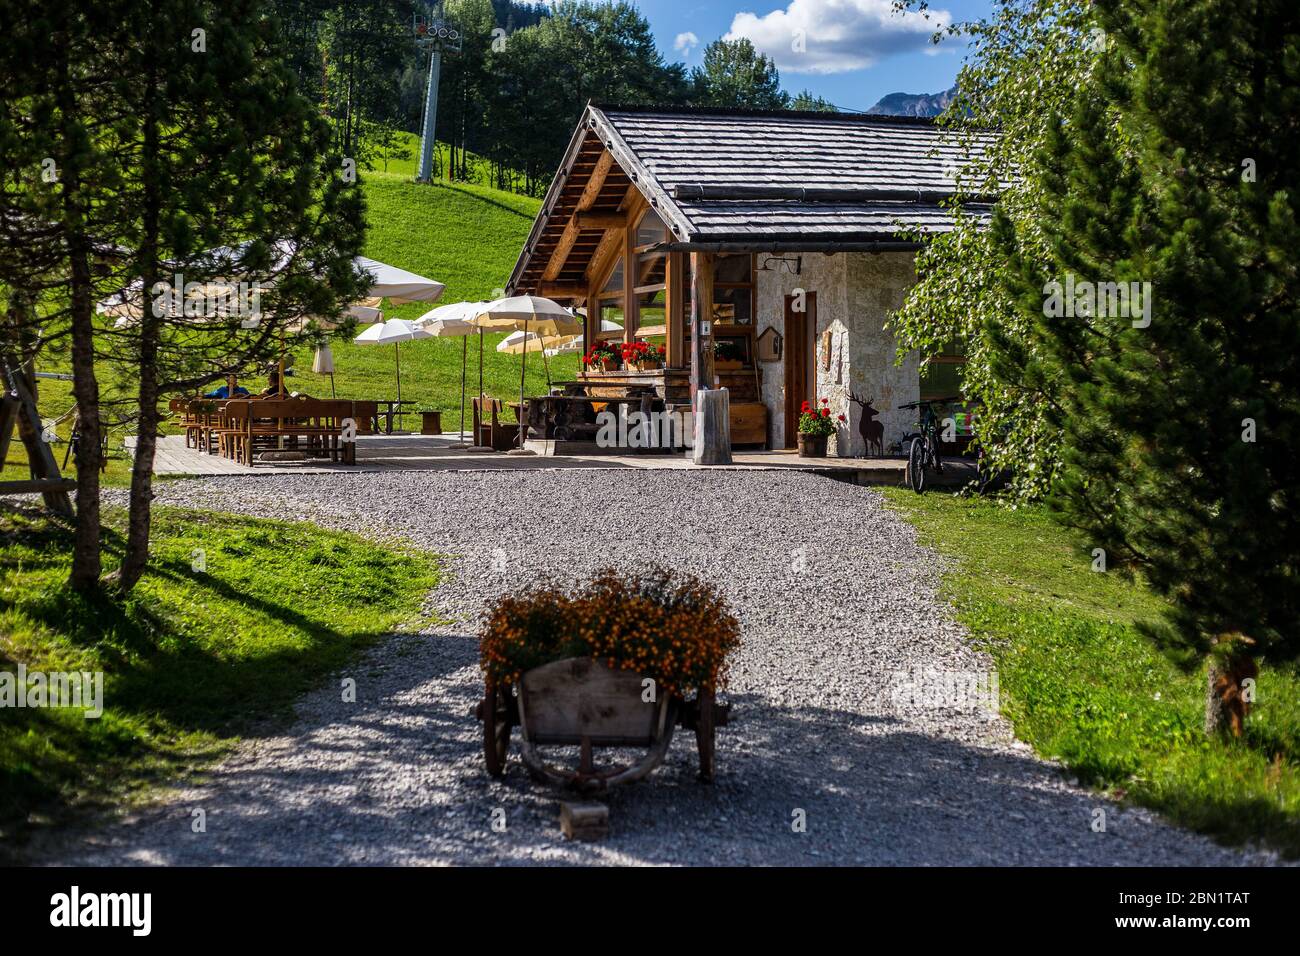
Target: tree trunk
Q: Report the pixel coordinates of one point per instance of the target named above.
(1228, 696)
(86, 559)
(136, 554)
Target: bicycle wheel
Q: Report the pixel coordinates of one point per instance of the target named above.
(916, 465)
(933, 448)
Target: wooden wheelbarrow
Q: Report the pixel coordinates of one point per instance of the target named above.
(582, 703)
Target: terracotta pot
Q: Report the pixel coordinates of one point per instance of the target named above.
(812, 446)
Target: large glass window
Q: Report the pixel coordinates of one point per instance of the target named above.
(651, 230)
(614, 285)
(652, 315)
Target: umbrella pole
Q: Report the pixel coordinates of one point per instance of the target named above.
(397, 357)
(333, 394)
(523, 369)
(546, 364)
(464, 362)
(476, 446)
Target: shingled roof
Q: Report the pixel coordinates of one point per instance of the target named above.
(736, 180)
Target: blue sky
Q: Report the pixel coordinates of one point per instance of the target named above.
(854, 51)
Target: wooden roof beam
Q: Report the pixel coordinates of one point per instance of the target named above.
(562, 290)
(600, 220)
(595, 183)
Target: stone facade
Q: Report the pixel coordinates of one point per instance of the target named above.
(855, 294)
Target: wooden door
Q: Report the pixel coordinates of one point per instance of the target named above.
(799, 374)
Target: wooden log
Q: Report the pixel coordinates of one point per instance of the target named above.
(712, 441)
(42, 485)
(584, 821)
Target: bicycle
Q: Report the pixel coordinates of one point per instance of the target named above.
(923, 450)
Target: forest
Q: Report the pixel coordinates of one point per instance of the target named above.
(511, 95)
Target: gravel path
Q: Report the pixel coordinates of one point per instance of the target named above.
(397, 777)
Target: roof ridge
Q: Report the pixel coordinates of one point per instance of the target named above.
(882, 118)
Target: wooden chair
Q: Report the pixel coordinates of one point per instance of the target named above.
(493, 433)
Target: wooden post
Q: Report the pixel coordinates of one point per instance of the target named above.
(675, 279)
(701, 318)
(712, 440)
(631, 311)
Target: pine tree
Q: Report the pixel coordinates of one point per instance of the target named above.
(734, 75)
(226, 178)
(1180, 413)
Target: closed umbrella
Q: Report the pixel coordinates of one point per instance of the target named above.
(322, 363)
(528, 313)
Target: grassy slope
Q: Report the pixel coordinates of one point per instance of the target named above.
(1081, 684)
(190, 657)
(465, 236)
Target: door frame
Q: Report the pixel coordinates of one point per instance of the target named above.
(800, 362)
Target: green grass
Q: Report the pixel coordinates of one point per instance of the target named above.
(466, 237)
(480, 169)
(190, 659)
(1081, 684)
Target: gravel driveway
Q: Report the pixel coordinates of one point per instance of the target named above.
(835, 596)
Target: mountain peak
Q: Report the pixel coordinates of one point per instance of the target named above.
(914, 104)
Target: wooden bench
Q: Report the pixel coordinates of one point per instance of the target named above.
(250, 423)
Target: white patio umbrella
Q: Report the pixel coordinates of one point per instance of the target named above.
(393, 331)
(396, 284)
(528, 313)
(454, 320)
(520, 342)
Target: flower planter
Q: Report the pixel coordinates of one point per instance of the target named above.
(812, 446)
(583, 703)
(727, 365)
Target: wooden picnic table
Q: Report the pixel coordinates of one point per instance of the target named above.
(387, 410)
(574, 416)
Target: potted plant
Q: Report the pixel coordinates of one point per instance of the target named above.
(815, 426)
(651, 647)
(602, 356)
(727, 355)
(643, 356)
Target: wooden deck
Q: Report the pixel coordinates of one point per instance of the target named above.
(433, 453)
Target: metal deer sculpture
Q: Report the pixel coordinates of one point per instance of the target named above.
(872, 431)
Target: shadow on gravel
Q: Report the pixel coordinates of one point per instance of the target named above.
(401, 780)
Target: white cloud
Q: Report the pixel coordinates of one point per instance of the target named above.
(686, 42)
(836, 36)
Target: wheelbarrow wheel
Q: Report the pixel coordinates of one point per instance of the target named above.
(496, 729)
(705, 734)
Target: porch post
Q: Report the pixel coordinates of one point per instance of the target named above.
(675, 279)
(701, 313)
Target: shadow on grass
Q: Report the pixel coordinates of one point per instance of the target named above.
(172, 688)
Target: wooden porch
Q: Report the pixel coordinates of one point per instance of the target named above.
(434, 453)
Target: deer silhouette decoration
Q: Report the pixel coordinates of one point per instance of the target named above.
(872, 431)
